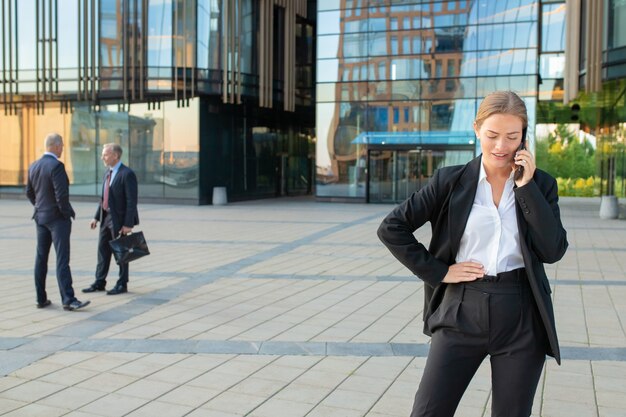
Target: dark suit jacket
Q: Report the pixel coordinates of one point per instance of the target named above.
(446, 202)
(48, 189)
(122, 200)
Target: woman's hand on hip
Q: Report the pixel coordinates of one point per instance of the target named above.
(463, 272)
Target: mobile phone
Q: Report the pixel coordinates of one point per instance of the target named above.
(519, 170)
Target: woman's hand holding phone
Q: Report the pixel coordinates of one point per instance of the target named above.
(524, 166)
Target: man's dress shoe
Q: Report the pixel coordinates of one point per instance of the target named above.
(118, 289)
(75, 305)
(93, 288)
(44, 304)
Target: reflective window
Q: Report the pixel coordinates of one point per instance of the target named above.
(553, 27)
(160, 52)
(328, 22)
(208, 34)
(616, 19)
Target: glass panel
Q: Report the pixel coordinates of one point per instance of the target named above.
(617, 29)
(208, 34)
(181, 146)
(246, 37)
(111, 48)
(329, 22)
(327, 70)
(553, 28)
(396, 174)
(551, 65)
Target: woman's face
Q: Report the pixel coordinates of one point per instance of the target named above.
(500, 136)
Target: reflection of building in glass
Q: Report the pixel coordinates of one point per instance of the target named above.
(398, 85)
(184, 86)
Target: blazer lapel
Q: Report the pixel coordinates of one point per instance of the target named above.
(461, 201)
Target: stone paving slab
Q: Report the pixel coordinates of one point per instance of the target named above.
(280, 307)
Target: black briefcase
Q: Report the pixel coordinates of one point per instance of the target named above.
(127, 248)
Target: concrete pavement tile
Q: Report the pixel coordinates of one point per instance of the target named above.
(107, 382)
(322, 378)
(365, 384)
(611, 412)
(9, 382)
(69, 376)
(557, 408)
(36, 410)
(570, 394)
(205, 412)
(258, 386)
(69, 358)
(31, 391)
(161, 409)
(113, 405)
(387, 404)
(611, 399)
(608, 384)
(279, 373)
(148, 389)
(189, 395)
(275, 407)
(610, 369)
(215, 380)
(233, 402)
(36, 370)
(353, 400)
(326, 411)
(300, 362)
(7, 404)
(303, 393)
(109, 360)
(71, 398)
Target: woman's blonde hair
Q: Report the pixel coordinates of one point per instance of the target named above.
(502, 102)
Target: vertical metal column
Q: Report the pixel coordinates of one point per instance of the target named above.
(2, 50)
(93, 45)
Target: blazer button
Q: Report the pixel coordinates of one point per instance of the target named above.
(527, 211)
(521, 199)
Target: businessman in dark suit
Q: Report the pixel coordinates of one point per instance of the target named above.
(486, 292)
(117, 214)
(48, 190)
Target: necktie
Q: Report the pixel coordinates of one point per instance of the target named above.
(105, 196)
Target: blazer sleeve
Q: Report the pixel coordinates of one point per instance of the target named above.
(130, 193)
(61, 185)
(30, 190)
(396, 232)
(539, 204)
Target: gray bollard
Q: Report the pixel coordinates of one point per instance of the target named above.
(219, 196)
(609, 208)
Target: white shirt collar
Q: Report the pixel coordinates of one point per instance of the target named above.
(51, 154)
(482, 176)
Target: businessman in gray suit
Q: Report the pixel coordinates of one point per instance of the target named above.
(117, 214)
(48, 190)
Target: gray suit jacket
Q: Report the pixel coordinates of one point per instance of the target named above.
(122, 200)
(48, 190)
(446, 203)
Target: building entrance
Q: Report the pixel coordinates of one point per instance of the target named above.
(395, 174)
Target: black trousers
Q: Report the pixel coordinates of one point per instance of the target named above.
(495, 316)
(57, 233)
(105, 253)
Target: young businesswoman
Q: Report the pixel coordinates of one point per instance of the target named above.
(495, 222)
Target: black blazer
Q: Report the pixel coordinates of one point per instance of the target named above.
(122, 200)
(446, 202)
(48, 189)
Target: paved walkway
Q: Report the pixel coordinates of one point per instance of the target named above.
(279, 308)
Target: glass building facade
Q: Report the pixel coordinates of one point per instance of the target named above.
(199, 93)
(399, 83)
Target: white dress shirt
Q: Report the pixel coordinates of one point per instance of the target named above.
(491, 236)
